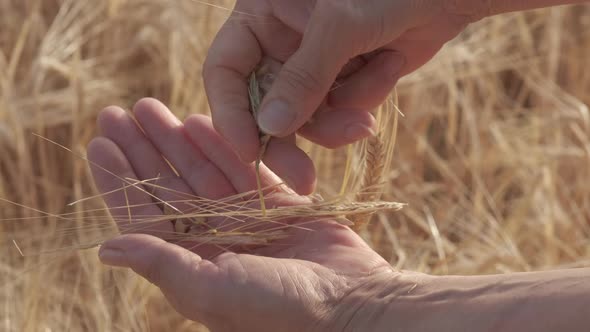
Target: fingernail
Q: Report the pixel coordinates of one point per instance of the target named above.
(358, 131)
(276, 118)
(112, 256)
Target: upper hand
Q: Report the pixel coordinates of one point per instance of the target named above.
(341, 59)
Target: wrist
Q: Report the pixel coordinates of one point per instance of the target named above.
(407, 301)
(418, 302)
(517, 302)
(370, 304)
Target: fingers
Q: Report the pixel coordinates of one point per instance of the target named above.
(336, 128)
(292, 164)
(226, 294)
(184, 278)
(282, 156)
(144, 158)
(370, 86)
(365, 89)
(305, 79)
(242, 176)
(168, 135)
(234, 54)
(278, 43)
(129, 205)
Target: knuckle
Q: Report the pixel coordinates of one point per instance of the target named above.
(341, 15)
(152, 269)
(362, 25)
(354, 11)
(298, 78)
(224, 257)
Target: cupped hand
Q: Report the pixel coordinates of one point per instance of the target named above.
(341, 59)
(315, 278)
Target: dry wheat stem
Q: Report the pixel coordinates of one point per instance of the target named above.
(256, 95)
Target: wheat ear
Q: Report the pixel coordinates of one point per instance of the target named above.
(377, 159)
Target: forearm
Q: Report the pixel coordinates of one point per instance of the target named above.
(547, 301)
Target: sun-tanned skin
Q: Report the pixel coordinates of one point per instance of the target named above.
(298, 283)
(326, 279)
(364, 45)
(321, 278)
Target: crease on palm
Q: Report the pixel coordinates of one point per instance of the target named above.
(143, 156)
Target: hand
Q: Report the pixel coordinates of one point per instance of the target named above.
(341, 60)
(315, 279)
(322, 277)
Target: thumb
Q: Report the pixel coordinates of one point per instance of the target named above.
(183, 276)
(306, 78)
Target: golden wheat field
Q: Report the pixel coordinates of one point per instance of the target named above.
(492, 154)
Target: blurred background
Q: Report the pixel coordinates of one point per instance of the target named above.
(492, 155)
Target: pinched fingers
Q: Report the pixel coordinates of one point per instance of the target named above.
(233, 56)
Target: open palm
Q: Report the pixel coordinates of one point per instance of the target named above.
(292, 284)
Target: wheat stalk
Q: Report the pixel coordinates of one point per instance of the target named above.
(194, 225)
(256, 95)
(372, 180)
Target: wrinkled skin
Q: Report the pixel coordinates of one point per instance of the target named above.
(341, 59)
(305, 282)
